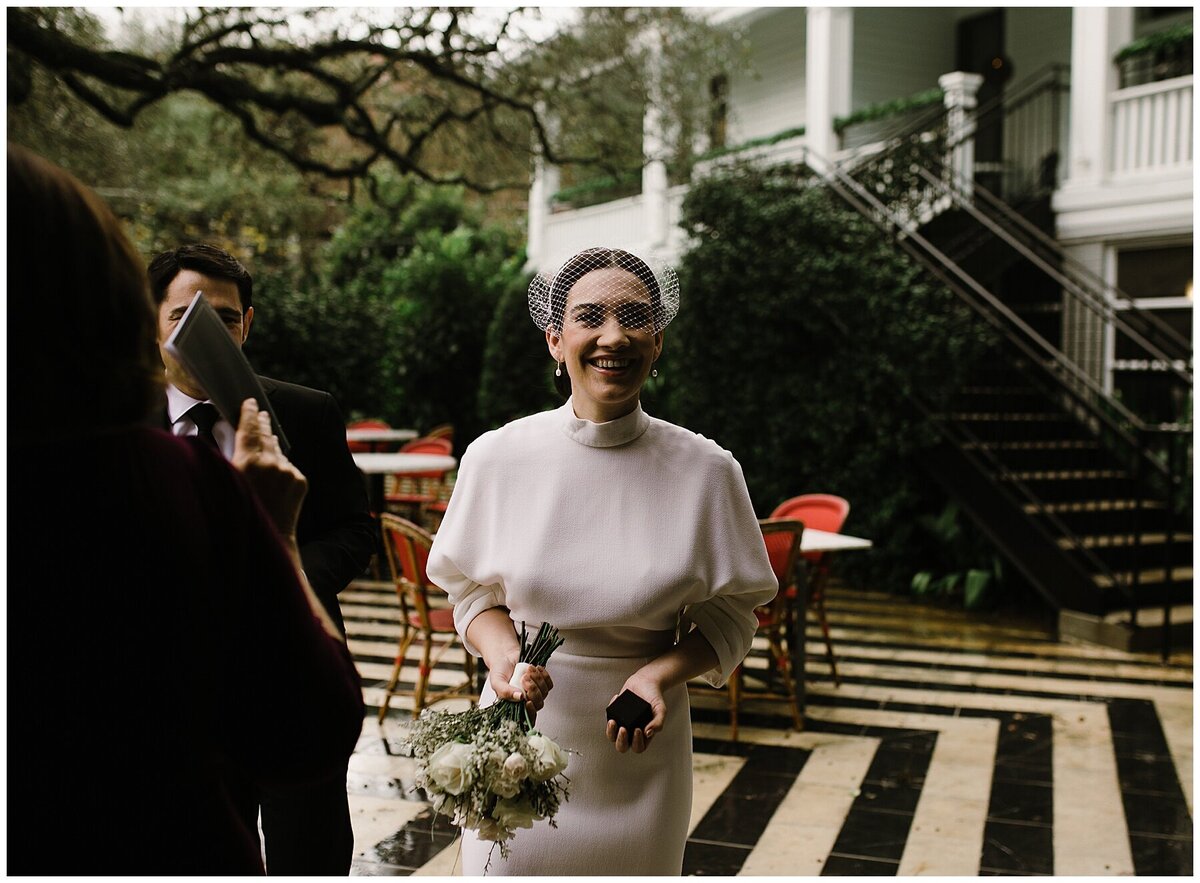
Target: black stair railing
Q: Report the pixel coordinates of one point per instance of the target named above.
(1175, 350)
(1033, 114)
(901, 187)
(1105, 302)
(1023, 343)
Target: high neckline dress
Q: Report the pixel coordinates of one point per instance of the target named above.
(618, 534)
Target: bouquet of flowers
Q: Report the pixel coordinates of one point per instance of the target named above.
(488, 769)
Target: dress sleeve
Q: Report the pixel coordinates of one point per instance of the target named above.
(460, 547)
(737, 572)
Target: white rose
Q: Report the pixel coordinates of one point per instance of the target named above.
(450, 767)
(490, 829)
(503, 786)
(548, 759)
(513, 814)
(515, 766)
(496, 759)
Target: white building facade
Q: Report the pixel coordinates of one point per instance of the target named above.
(1122, 153)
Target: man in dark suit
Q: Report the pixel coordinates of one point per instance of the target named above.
(307, 831)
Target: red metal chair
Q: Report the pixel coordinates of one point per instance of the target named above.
(818, 512)
(442, 430)
(407, 546)
(782, 539)
(362, 447)
(414, 492)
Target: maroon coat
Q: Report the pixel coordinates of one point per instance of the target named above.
(158, 644)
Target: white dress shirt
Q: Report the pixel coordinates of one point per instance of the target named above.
(179, 403)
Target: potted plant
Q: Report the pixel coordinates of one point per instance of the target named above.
(1162, 55)
(963, 575)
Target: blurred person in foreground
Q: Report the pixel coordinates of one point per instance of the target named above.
(156, 588)
(307, 831)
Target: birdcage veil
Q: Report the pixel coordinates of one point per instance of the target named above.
(642, 292)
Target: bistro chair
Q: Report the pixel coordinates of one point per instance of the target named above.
(443, 430)
(782, 539)
(818, 512)
(407, 547)
(361, 447)
(411, 493)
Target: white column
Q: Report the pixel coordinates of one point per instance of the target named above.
(545, 184)
(1097, 32)
(654, 149)
(959, 89)
(829, 59)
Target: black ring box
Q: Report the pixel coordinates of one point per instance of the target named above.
(630, 711)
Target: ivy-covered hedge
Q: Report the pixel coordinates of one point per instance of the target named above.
(764, 141)
(605, 188)
(758, 359)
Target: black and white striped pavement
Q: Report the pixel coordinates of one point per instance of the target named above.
(955, 745)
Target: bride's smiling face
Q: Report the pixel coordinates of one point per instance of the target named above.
(607, 342)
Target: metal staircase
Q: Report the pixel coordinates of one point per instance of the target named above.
(1087, 497)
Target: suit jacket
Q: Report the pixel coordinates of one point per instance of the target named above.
(336, 532)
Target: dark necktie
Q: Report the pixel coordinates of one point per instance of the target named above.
(205, 417)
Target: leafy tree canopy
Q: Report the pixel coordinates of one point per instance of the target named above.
(450, 95)
(394, 320)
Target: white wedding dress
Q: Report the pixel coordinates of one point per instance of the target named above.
(610, 532)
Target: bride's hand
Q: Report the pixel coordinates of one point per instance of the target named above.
(533, 687)
(639, 739)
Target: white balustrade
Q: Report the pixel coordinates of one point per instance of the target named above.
(619, 224)
(1152, 127)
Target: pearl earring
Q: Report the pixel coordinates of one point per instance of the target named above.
(558, 370)
(653, 372)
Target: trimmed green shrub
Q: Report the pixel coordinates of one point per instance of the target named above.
(801, 331)
(517, 368)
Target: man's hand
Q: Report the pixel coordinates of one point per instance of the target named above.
(278, 484)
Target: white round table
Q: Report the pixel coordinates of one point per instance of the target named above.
(376, 466)
(378, 440)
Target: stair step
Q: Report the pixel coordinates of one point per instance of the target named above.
(1115, 629)
(997, 390)
(1151, 616)
(1089, 506)
(1063, 475)
(1070, 485)
(984, 399)
(1056, 444)
(1152, 576)
(1044, 455)
(995, 416)
(1110, 515)
(1121, 540)
(996, 422)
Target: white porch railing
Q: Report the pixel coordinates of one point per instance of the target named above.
(1152, 127)
(621, 223)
